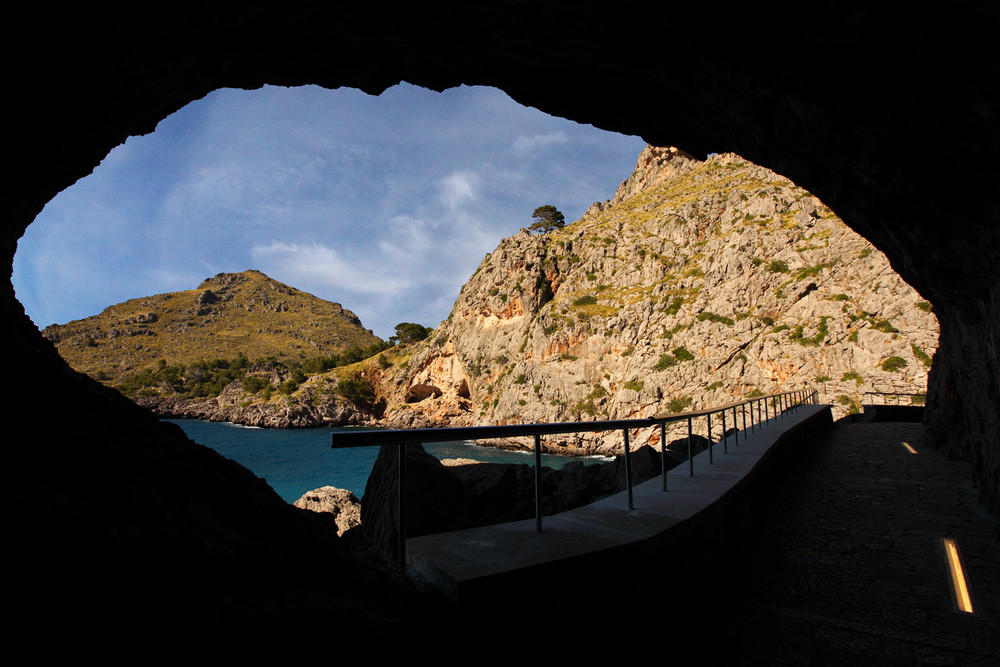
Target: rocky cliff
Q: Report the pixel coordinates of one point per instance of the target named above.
(698, 283)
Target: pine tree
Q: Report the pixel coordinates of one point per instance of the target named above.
(547, 218)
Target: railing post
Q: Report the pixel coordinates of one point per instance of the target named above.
(401, 506)
(736, 427)
(690, 456)
(751, 415)
(767, 416)
(710, 438)
(628, 469)
(538, 482)
(745, 419)
(725, 444)
(663, 452)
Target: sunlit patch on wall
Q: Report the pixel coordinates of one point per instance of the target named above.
(909, 448)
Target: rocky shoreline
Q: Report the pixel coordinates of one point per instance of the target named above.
(263, 415)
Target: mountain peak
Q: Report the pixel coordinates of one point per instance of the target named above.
(245, 312)
(654, 165)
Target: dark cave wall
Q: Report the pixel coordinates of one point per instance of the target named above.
(860, 105)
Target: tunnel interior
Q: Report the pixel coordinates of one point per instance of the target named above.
(857, 104)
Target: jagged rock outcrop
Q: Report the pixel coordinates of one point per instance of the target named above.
(699, 283)
(341, 503)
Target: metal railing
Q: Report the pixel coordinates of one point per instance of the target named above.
(915, 399)
(768, 408)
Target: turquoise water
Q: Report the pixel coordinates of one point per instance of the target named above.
(294, 461)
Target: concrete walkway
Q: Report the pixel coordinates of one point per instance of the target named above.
(847, 567)
(478, 564)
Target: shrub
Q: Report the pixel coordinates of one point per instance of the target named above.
(679, 404)
(852, 375)
(921, 356)
(252, 384)
(682, 354)
(585, 300)
(924, 306)
(357, 389)
(893, 364)
(712, 317)
(778, 266)
(674, 306)
(635, 385)
(799, 337)
(665, 362)
(853, 407)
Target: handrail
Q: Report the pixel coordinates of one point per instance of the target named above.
(898, 395)
(788, 400)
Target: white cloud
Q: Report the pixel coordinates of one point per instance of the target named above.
(458, 188)
(526, 145)
(316, 264)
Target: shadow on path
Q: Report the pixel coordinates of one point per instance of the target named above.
(847, 566)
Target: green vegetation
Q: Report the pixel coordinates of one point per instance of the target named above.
(674, 306)
(357, 389)
(206, 379)
(635, 385)
(712, 317)
(812, 271)
(925, 306)
(665, 362)
(799, 336)
(893, 364)
(585, 300)
(921, 356)
(852, 375)
(823, 378)
(715, 385)
(410, 332)
(778, 266)
(679, 404)
(885, 326)
(547, 219)
(853, 407)
(682, 354)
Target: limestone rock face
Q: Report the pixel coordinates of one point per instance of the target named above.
(699, 283)
(341, 503)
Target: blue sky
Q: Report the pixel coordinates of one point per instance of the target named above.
(384, 204)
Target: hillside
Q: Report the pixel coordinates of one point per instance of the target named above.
(698, 283)
(232, 313)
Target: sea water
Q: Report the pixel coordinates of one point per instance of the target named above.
(294, 461)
